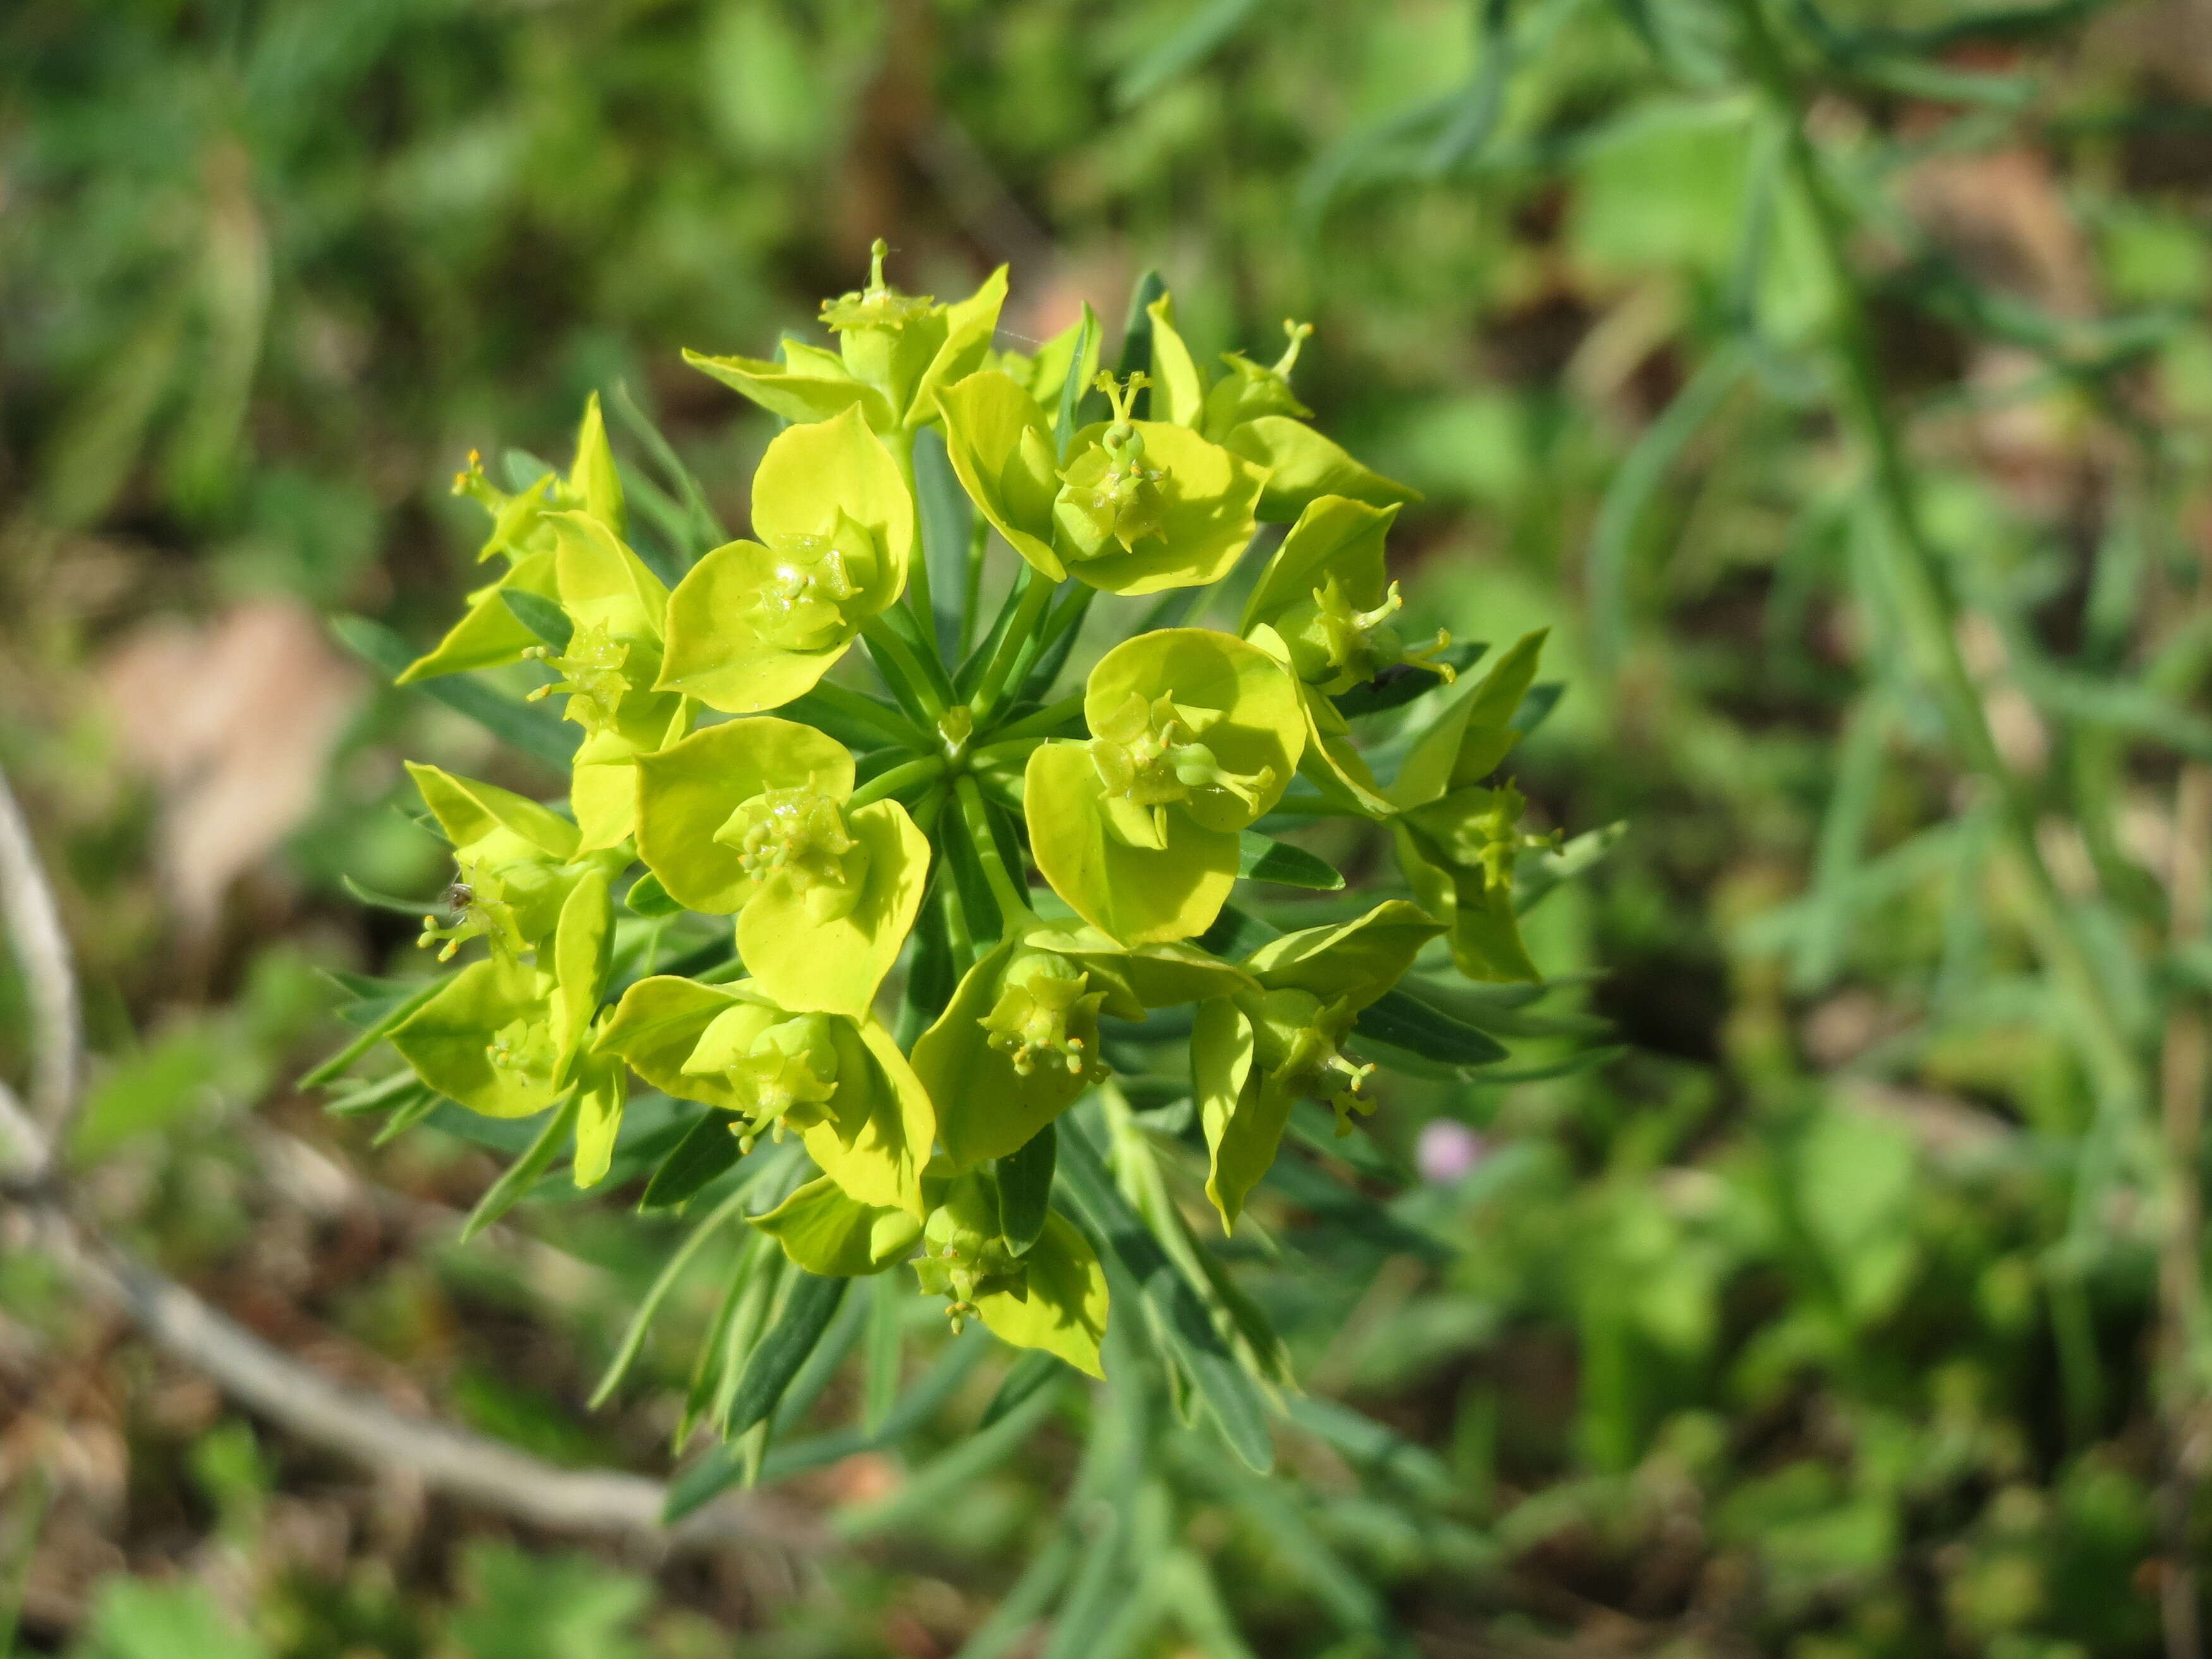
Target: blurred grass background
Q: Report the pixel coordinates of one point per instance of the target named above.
(1821, 1318)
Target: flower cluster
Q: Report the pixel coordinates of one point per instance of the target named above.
(874, 850)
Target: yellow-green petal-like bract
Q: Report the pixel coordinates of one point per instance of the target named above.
(756, 624)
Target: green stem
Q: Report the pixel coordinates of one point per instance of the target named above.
(895, 661)
(855, 705)
(1045, 723)
(1011, 900)
(899, 777)
(1923, 597)
(1006, 753)
(1035, 597)
(921, 644)
(958, 934)
(900, 444)
(971, 600)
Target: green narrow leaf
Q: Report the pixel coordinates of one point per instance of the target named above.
(969, 674)
(886, 1349)
(1071, 391)
(1536, 705)
(947, 520)
(1396, 687)
(707, 1150)
(411, 1111)
(647, 897)
(1035, 1370)
(1062, 631)
(536, 732)
(1839, 851)
(1483, 100)
(641, 1324)
(392, 903)
(1137, 334)
(707, 530)
(1177, 1317)
(375, 1097)
(373, 1033)
(1583, 1059)
(1025, 1189)
(952, 1473)
(524, 470)
(808, 1306)
(1261, 858)
(854, 718)
(761, 1272)
(718, 1468)
(1535, 873)
(540, 615)
(1405, 1022)
(522, 1175)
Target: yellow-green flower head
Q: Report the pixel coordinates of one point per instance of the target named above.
(836, 1081)
(963, 1258)
(1018, 1042)
(1149, 757)
(1109, 500)
(1458, 854)
(782, 1069)
(591, 676)
(1327, 596)
(801, 836)
(1253, 414)
(750, 817)
(1256, 1051)
(1296, 1050)
(489, 634)
(1140, 506)
(1194, 735)
(1457, 839)
(504, 1037)
(516, 863)
(756, 624)
(1016, 1046)
(1047, 1015)
(809, 599)
(895, 352)
(879, 306)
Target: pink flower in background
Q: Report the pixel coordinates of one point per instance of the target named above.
(1446, 1151)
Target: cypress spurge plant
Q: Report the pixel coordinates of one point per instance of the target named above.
(869, 903)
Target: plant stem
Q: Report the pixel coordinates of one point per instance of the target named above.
(867, 711)
(900, 444)
(899, 777)
(971, 599)
(895, 661)
(1035, 597)
(1044, 723)
(1011, 900)
(1922, 591)
(1006, 753)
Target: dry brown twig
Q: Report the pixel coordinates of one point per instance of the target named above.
(464, 1465)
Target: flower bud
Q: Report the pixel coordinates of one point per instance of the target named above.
(801, 834)
(1047, 1017)
(783, 1068)
(591, 671)
(1147, 754)
(811, 600)
(1109, 500)
(1295, 1045)
(963, 1254)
